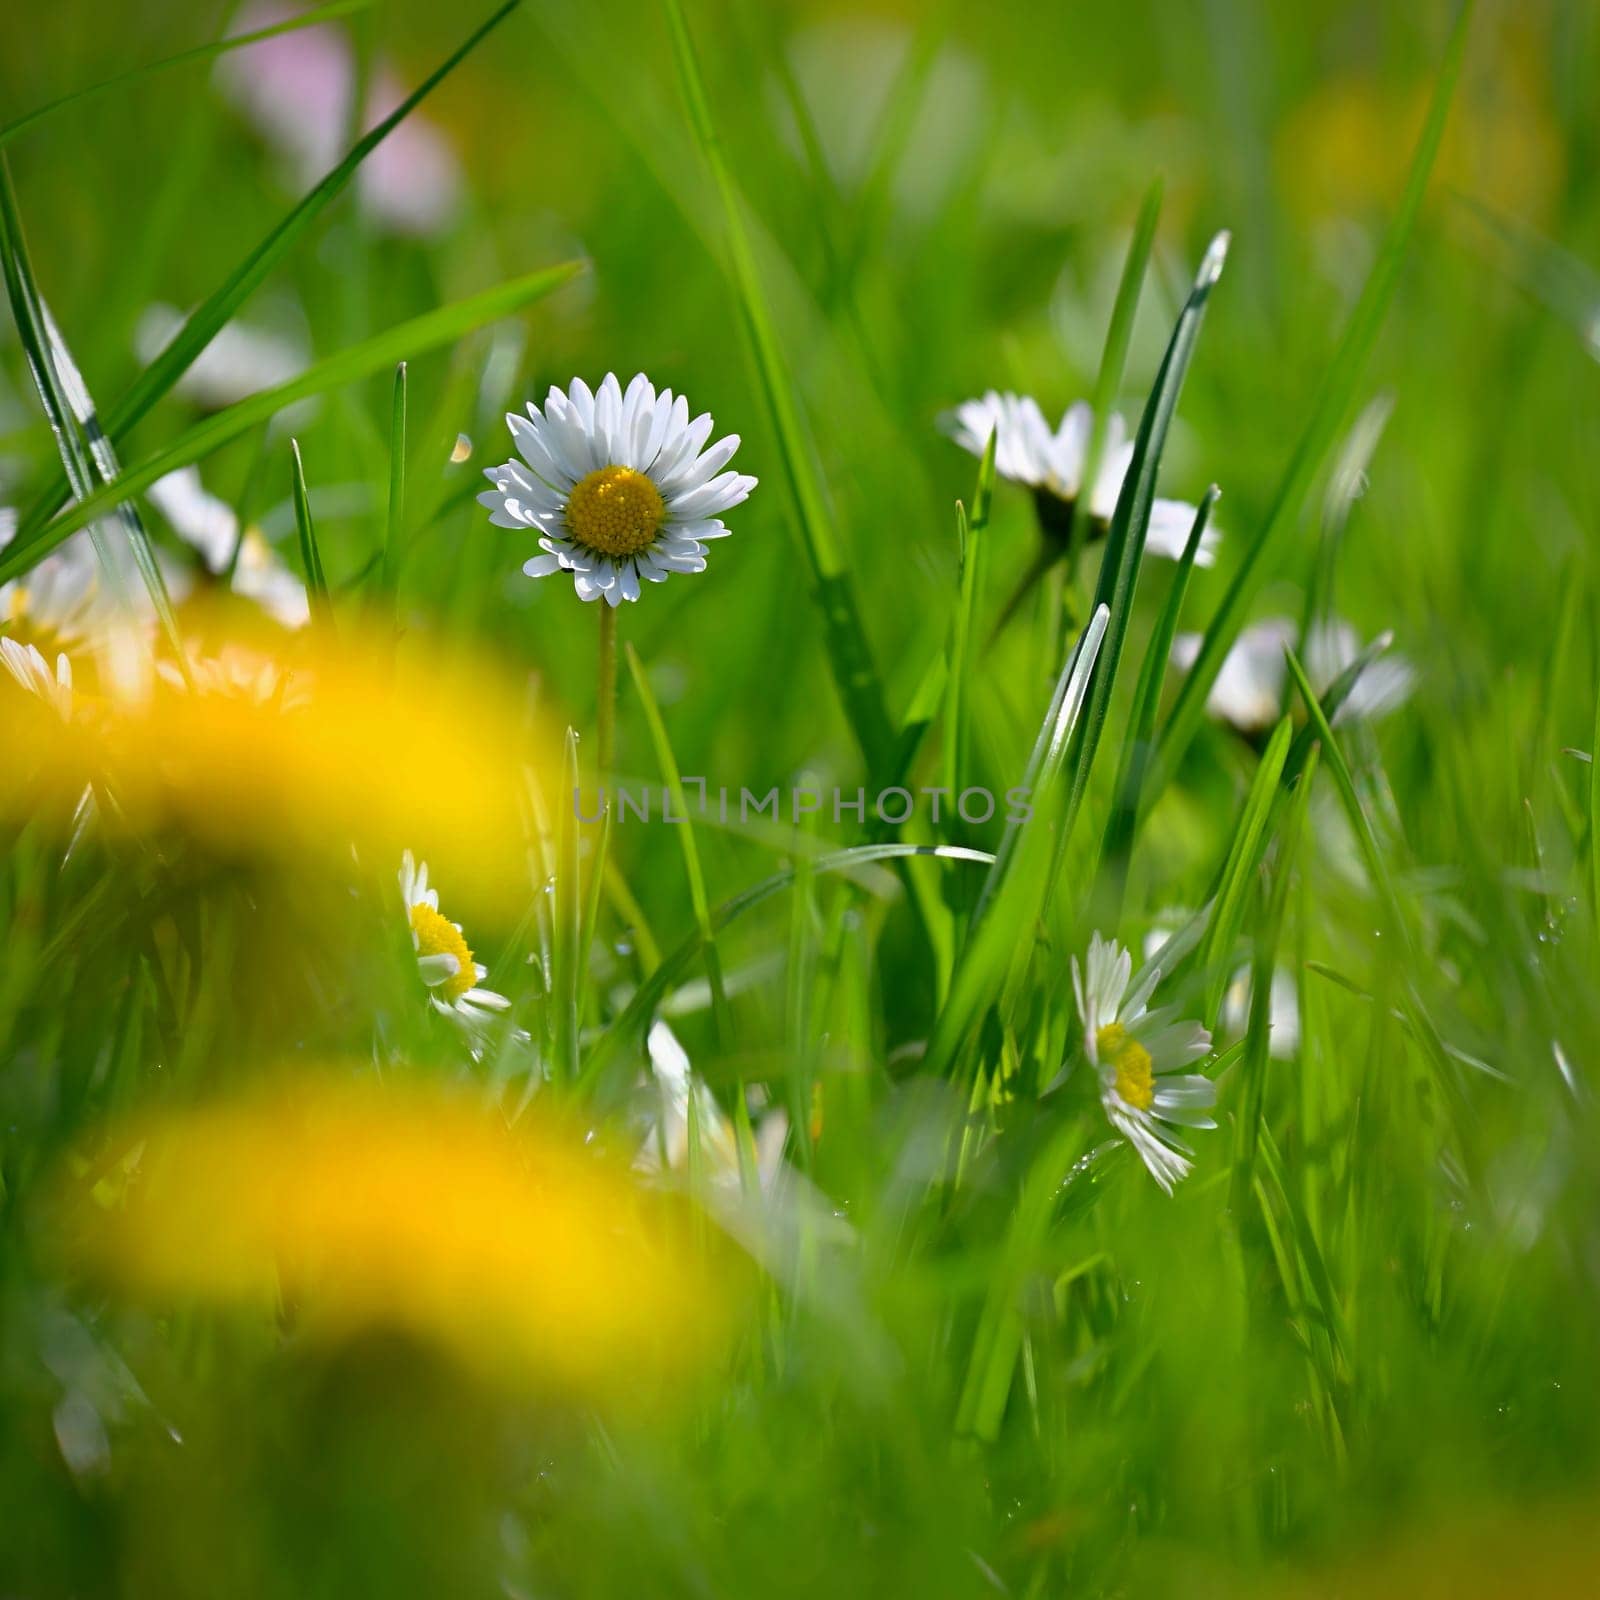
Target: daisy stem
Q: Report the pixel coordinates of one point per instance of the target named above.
(606, 680)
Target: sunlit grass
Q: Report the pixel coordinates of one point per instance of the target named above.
(780, 1220)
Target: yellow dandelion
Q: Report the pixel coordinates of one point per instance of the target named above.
(521, 1253)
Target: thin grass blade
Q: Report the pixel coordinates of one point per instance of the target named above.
(207, 319)
(422, 333)
(201, 52)
(1334, 398)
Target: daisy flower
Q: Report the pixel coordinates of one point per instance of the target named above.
(32, 671)
(59, 597)
(1053, 465)
(1248, 692)
(1137, 1055)
(210, 527)
(618, 485)
(444, 958)
(666, 1141)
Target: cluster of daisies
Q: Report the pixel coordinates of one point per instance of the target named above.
(621, 487)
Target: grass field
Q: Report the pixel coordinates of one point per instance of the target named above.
(1023, 1024)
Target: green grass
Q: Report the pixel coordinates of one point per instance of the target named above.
(985, 1353)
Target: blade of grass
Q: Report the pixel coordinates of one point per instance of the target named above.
(1263, 966)
(1114, 361)
(207, 319)
(200, 52)
(569, 916)
(1130, 525)
(421, 333)
(86, 454)
(1334, 397)
(1013, 890)
(389, 571)
(1239, 873)
(1421, 1024)
(310, 554)
(668, 763)
(849, 655)
(1137, 747)
(963, 629)
(635, 1016)
(1594, 813)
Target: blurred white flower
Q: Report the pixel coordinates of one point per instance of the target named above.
(1137, 1055)
(32, 671)
(444, 960)
(1283, 1011)
(209, 526)
(296, 89)
(240, 361)
(1052, 464)
(58, 597)
(1248, 691)
(619, 486)
(666, 1143)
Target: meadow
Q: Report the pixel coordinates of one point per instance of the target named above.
(799, 796)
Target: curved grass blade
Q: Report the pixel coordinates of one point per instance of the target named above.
(1333, 400)
(1420, 1023)
(200, 52)
(1257, 1038)
(1114, 359)
(1137, 748)
(86, 454)
(668, 763)
(1014, 889)
(636, 1015)
(1130, 526)
(431, 329)
(310, 554)
(1239, 873)
(849, 655)
(963, 629)
(389, 568)
(207, 319)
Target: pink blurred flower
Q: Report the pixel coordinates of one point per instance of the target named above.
(295, 89)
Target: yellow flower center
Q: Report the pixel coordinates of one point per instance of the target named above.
(437, 936)
(615, 510)
(1135, 1084)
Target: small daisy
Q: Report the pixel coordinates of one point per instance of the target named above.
(1137, 1055)
(1248, 692)
(666, 1141)
(210, 526)
(444, 958)
(32, 671)
(1052, 465)
(618, 485)
(59, 597)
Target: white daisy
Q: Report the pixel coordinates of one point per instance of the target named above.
(57, 598)
(618, 485)
(1248, 692)
(666, 1142)
(240, 361)
(32, 671)
(444, 958)
(210, 526)
(1052, 464)
(1137, 1055)
(1283, 1011)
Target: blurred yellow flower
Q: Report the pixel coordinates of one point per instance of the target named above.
(1345, 148)
(296, 747)
(522, 1253)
